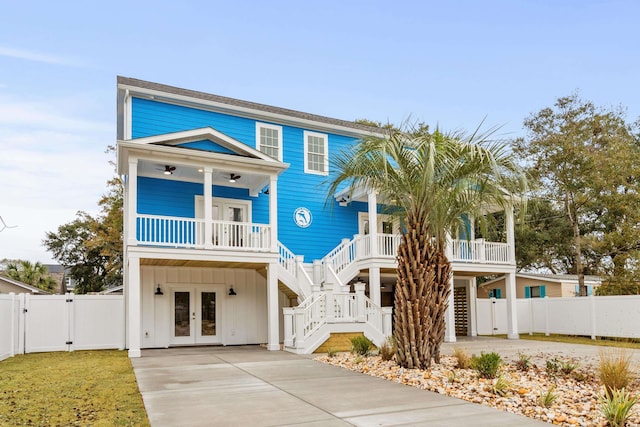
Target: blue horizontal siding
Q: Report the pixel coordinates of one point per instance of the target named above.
(296, 189)
(207, 145)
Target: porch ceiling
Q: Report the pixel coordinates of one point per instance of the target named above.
(200, 263)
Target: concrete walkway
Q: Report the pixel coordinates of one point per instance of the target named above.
(249, 386)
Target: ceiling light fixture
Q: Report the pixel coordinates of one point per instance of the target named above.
(168, 170)
(233, 177)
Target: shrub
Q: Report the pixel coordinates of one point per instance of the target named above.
(331, 352)
(501, 386)
(615, 371)
(463, 361)
(487, 364)
(553, 366)
(388, 349)
(616, 408)
(567, 367)
(547, 398)
(361, 345)
(523, 363)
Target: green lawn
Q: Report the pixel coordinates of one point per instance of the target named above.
(82, 388)
(579, 340)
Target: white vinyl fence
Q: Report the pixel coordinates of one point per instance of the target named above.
(37, 323)
(594, 316)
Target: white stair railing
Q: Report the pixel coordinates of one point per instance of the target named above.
(287, 259)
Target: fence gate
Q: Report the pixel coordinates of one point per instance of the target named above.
(461, 311)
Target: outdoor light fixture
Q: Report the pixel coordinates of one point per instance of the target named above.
(232, 292)
(343, 202)
(158, 290)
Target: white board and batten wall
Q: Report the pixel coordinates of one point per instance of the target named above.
(242, 317)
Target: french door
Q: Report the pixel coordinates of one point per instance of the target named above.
(195, 315)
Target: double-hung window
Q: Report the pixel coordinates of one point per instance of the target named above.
(316, 153)
(269, 140)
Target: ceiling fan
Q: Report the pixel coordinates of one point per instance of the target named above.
(168, 169)
(233, 177)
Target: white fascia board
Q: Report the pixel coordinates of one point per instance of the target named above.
(209, 133)
(244, 111)
(194, 158)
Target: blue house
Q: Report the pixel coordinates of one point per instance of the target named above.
(230, 238)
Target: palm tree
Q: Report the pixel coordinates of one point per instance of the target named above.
(32, 274)
(433, 180)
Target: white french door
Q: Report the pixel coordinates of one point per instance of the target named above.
(387, 224)
(195, 315)
(227, 212)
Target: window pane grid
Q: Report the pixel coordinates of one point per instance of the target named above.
(316, 153)
(270, 142)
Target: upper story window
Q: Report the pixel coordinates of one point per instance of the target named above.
(316, 153)
(269, 140)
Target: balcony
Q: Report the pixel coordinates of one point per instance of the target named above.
(193, 233)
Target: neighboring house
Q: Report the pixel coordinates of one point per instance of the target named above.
(533, 285)
(58, 273)
(230, 238)
(8, 285)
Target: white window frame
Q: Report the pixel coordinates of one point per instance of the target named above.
(325, 137)
(259, 139)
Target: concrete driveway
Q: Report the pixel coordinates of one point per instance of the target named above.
(249, 386)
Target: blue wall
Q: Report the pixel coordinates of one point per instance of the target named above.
(296, 189)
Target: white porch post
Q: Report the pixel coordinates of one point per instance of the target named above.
(132, 202)
(472, 294)
(511, 240)
(273, 213)
(372, 207)
(450, 317)
(512, 309)
(374, 285)
(208, 208)
(273, 328)
(134, 306)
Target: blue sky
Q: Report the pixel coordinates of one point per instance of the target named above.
(447, 63)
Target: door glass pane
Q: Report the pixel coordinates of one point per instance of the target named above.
(387, 227)
(234, 214)
(366, 226)
(182, 327)
(208, 314)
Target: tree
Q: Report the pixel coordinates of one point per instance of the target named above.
(91, 247)
(432, 179)
(585, 161)
(32, 274)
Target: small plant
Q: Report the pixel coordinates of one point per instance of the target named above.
(501, 386)
(579, 376)
(615, 371)
(566, 367)
(523, 363)
(463, 361)
(452, 377)
(388, 349)
(546, 398)
(331, 352)
(616, 408)
(359, 359)
(361, 345)
(553, 366)
(487, 364)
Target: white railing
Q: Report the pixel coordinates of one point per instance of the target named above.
(480, 251)
(388, 244)
(373, 314)
(287, 259)
(313, 316)
(190, 233)
(344, 307)
(169, 231)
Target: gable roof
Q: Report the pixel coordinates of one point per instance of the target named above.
(556, 278)
(207, 101)
(206, 133)
(19, 284)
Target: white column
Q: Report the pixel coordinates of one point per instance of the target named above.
(374, 285)
(132, 202)
(208, 208)
(450, 317)
(372, 207)
(512, 310)
(361, 305)
(288, 326)
(511, 240)
(273, 212)
(134, 317)
(273, 327)
(472, 315)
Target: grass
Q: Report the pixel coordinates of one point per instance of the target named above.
(577, 340)
(96, 388)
